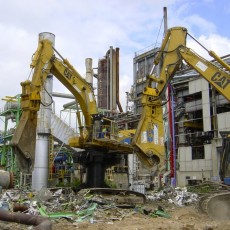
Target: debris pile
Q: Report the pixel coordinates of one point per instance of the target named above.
(177, 196)
(91, 205)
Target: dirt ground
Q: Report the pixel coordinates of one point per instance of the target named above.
(184, 218)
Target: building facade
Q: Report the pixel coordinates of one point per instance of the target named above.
(201, 113)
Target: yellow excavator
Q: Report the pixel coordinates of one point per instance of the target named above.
(98, 152)
(172, 53)
(170, 57)
(44, 63)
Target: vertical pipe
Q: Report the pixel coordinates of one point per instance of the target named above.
(170, 124)
(108, 79)
(118, 79)
(170, 139)
(113, 87)
(41, 170)
(127, 102)
(165, 20)
(171, 118)
(173, 138)
(111, 78)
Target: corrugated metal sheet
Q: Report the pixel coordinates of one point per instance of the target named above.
(139, 188)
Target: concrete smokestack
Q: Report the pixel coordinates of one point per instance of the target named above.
(89, 70)
(41, 166)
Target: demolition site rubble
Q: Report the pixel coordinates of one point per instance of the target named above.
(49, 206)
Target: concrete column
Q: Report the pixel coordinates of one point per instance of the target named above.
(132, 172)
(206, 106)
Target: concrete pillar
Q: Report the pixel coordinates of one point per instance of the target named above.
(206, 106)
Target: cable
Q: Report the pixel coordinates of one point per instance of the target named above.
(159, 32)
(30, 73)
(198, 42)
(47, 105)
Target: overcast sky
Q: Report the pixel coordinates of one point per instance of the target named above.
(87, 28)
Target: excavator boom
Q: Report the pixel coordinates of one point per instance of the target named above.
(149, 137)
(45, 63)
(170, 58)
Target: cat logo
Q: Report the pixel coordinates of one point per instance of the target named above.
(67, 73)
(220, 80)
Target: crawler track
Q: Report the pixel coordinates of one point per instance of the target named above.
(216, 204)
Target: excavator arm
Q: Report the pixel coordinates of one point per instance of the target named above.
(148, 140)
(218, 77)
(45, 63)
(170, 58)
(149, 137)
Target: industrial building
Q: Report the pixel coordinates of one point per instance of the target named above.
(201, 113)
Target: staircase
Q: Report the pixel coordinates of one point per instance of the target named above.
(60, 130)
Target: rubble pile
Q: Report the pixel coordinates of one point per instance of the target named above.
(89, 205)
(177, 196)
